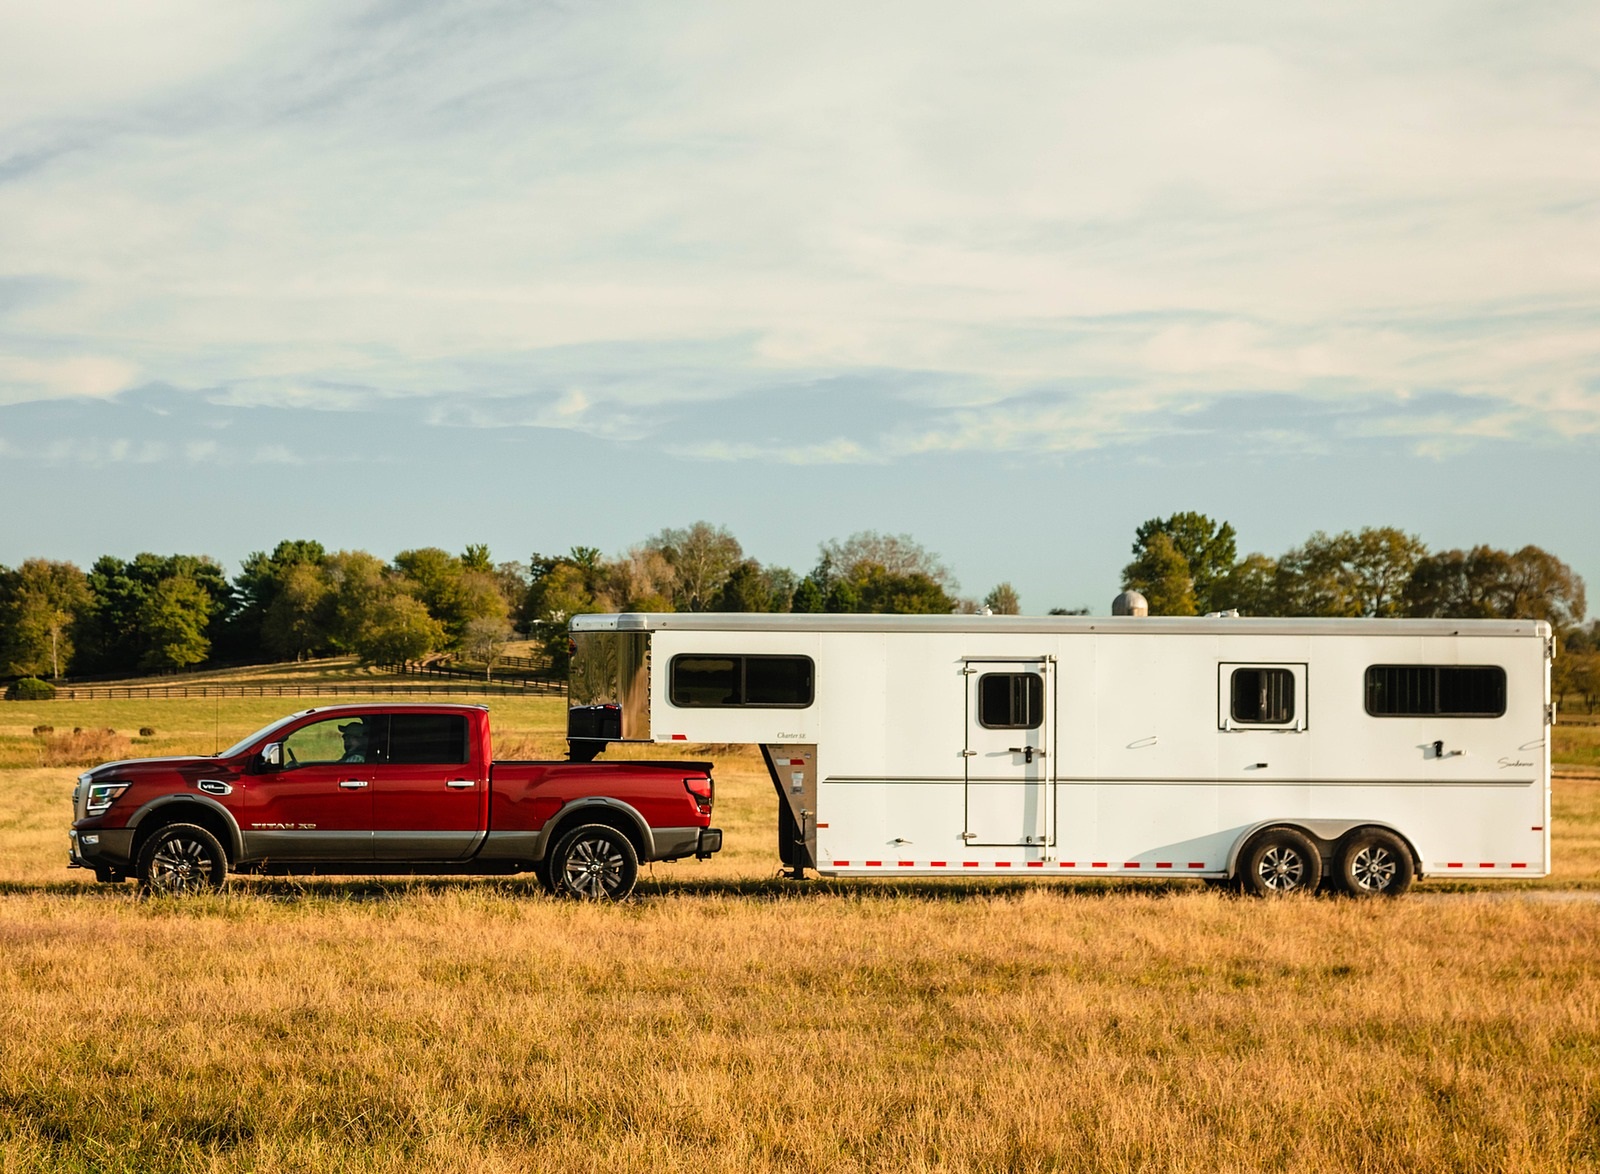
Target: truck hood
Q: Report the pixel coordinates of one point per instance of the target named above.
(130, 766)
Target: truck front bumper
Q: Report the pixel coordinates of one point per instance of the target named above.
(105, 850)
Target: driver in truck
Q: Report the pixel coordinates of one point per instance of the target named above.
(355, 741)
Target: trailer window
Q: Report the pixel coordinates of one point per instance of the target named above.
(1263, 696)
(1011, 701)
(1427, 690)
(764, 682)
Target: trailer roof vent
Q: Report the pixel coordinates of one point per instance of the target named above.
(1130, 603)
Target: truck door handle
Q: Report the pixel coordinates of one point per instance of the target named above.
(352, 784)
(459, 783)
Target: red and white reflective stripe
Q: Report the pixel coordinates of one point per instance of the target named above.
(680, 737)
(1485, 864)
(1132, 865)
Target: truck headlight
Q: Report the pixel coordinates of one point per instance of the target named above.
(102, 796)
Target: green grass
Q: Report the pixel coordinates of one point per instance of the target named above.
(727, 1020)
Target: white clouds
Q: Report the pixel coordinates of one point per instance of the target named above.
(22, 379)
(341, 208)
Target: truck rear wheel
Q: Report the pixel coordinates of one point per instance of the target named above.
(180, 859)
(1374, 863)
(1280, 860)
(594, 862)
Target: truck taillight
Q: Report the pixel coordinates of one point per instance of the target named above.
(702, 790)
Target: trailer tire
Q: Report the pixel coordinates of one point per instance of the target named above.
(1374, 862)
(595, 862)
(1278, 861)
(181, 859)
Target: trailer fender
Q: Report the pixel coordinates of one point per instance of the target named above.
(1324, 833)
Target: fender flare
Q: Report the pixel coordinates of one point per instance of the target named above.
(235, 837)
(1324, 833)
(597, 803)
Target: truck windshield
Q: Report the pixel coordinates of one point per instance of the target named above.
(244, 744)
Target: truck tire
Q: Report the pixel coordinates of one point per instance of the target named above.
(594, 862)
(1278, 861)
(180, 859)
(541, 873)
(1374, 863)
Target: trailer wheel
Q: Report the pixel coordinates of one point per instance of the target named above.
(1374, 863)
(181, 859)
(594, 862)
(1280, 860)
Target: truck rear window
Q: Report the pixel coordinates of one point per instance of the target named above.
(766, 682)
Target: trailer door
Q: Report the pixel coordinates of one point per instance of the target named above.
(1010, 747)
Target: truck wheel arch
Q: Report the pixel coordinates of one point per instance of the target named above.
(185, 808)
(1328, 835)
(598, 809)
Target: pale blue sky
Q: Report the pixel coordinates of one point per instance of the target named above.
(1010, 279)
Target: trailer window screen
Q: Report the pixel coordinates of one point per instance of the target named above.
(1427, 690)
(1011, 701)
(765, 682)
(1263, 697)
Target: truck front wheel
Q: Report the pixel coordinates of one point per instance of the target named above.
(594, 862)
(180, 859)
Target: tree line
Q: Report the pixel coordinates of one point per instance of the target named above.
(1188, 564)
(155, 613)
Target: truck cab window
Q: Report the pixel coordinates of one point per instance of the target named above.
(420, 738)
(341, 739)
(1011, 701)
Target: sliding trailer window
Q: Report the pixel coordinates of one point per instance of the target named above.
(757, 682)
(1011, 701)
(1436, 690)
(1261, 697)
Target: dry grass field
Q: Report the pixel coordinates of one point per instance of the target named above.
(730, 1020)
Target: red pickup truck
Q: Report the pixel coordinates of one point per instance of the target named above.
(383, 789)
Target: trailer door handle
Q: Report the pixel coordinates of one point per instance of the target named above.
(352, 784)
(1027, 752)
(459, 783)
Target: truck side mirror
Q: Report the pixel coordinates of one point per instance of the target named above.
(272, 756)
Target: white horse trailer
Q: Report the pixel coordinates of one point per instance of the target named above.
(1280, 753)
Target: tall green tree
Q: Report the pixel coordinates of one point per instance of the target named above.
(173, 617)
(39, 602)
(702, 556)
(261, 577)
(1162, 575)
(1207, 548)
(1003, 600)
(300, 618)
(114, 633)
(1486, 583)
